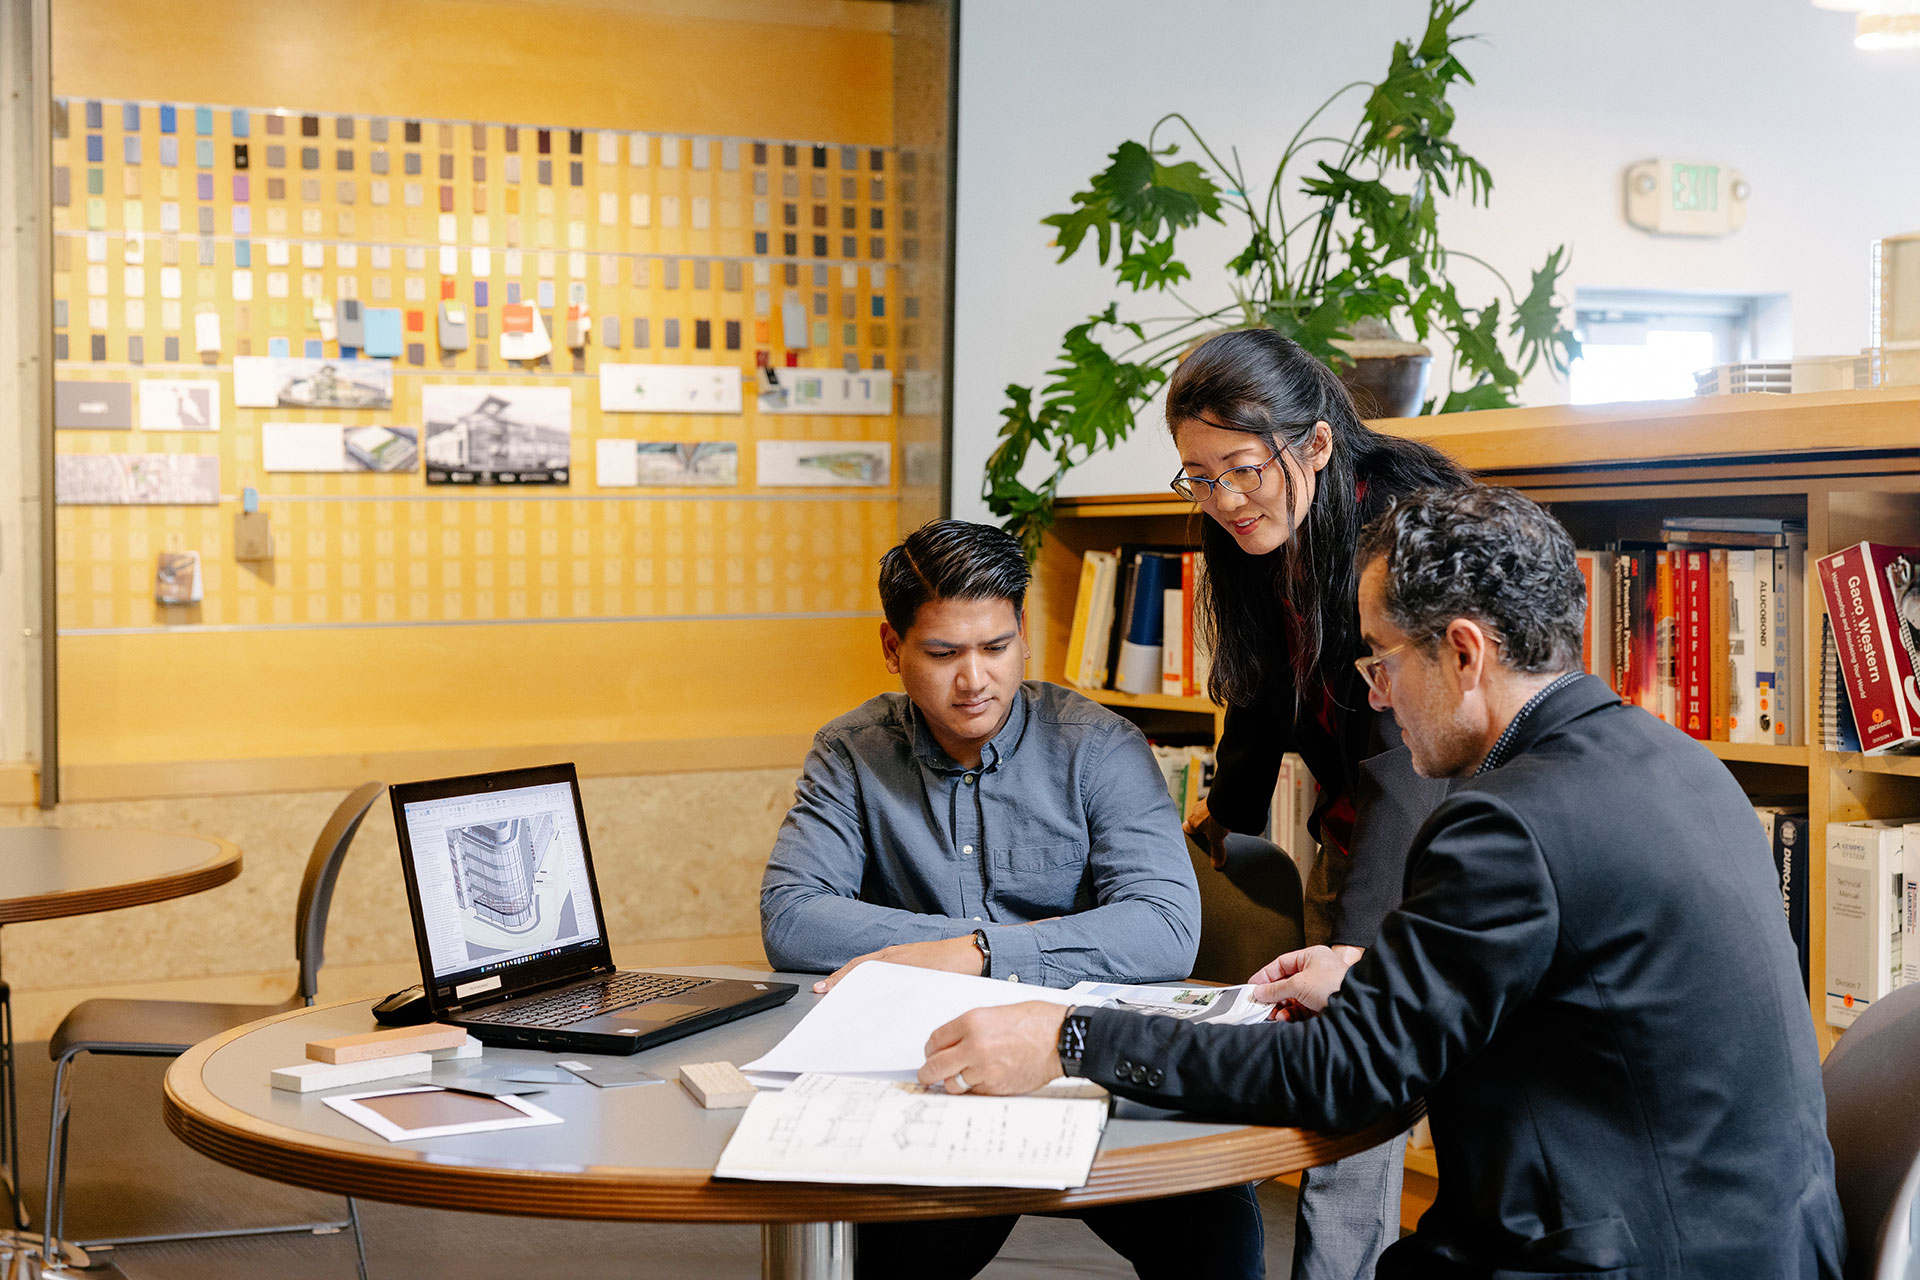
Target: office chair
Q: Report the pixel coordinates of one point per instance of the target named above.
(1251, 910)
(168, 1028)
(1873, 1122)
(1898, 1255)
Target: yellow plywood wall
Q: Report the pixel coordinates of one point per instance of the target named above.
(398, 616)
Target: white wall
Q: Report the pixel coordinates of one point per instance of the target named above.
(1567, 96)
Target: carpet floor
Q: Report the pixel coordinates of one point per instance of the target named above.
(127, 1176)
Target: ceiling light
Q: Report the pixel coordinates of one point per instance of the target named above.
(1880, 31)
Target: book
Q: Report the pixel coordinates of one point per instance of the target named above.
(1142, 622)
(1596, 638)
(1665, 652)
(1790, 643)
(1732, 524)
(1717, 660)
(1837, 731)
(1873, 595)
(1190, 566)
(1742, 638)
(1910, 903)
(1864, 892)
(1173, 648)
(1083, 599)
(1724, 538)
(1087, 640)
(1787, 834)
(1695, 687)
(1765, 713)
(1202, 663)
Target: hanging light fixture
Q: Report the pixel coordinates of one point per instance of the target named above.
(1881, 31)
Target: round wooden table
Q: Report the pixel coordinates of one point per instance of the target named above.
(47, 873)
(646, 1153)
(50, 872)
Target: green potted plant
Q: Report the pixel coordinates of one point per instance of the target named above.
(1332, 261)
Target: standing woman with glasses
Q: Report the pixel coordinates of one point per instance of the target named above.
(1274, 455)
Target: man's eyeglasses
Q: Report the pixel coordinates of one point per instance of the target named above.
(1373, 669)
(1233, 480)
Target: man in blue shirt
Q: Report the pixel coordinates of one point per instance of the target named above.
(983, 824)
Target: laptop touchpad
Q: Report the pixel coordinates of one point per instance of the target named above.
(657, 1011)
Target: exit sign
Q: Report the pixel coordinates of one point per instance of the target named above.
(1685, 198)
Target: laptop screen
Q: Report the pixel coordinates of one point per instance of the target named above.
(502, 881)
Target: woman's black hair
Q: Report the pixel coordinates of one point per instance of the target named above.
(1301, 598)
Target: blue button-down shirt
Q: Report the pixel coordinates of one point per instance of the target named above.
(1063, 844)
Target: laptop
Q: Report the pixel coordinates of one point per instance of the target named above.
(507, 921)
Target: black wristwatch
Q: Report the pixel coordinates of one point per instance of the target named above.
(986, 952)
(1073, 1042)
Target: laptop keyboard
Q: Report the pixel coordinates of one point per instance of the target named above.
(563, 1008)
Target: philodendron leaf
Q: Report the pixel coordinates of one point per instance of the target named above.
(1314, 327)
(1153, 266)
(1136, 197)
(1536, 320)
(1093, 397)
(1477, 346)
(1481, 395)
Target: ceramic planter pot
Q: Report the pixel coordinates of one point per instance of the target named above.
(1388, 375)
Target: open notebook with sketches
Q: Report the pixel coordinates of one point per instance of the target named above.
(840, 1129)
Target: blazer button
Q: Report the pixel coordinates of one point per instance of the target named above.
(1139, 1075)
(1123, 1069)
(1153, 1078)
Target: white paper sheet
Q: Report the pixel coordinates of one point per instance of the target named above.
(670, 388)
(878, 1018)
(834, 1129)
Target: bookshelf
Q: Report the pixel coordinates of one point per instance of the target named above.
(1848, 463)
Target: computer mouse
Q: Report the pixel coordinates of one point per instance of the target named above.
(403, 1008)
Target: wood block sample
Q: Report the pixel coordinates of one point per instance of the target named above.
(387, 1044)
(716, 1085)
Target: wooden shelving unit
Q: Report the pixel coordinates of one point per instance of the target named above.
(1848, 463)
(1853, 761)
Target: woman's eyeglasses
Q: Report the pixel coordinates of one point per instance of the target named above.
(1233, 480)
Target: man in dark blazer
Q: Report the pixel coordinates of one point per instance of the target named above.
(1589, 980)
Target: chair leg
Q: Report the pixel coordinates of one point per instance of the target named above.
(10, 1115)
(53, 1220)
(57, 1249)
(359, 1242)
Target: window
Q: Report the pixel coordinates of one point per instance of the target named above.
(1642, 345)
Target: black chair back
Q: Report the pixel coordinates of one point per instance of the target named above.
(1251, 910)
(1899, 1252)
(1872, 1083)
(316, 890)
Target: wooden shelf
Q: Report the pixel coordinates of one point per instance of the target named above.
(1904, 766)
(1154, 701)
(1759, 753)
(1420, 1160)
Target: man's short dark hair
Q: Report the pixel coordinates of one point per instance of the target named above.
(951, 560)
(1485, 553)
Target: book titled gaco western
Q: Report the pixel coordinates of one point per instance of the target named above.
(1873, 599)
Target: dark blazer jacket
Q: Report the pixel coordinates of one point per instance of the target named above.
(1591, 983)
